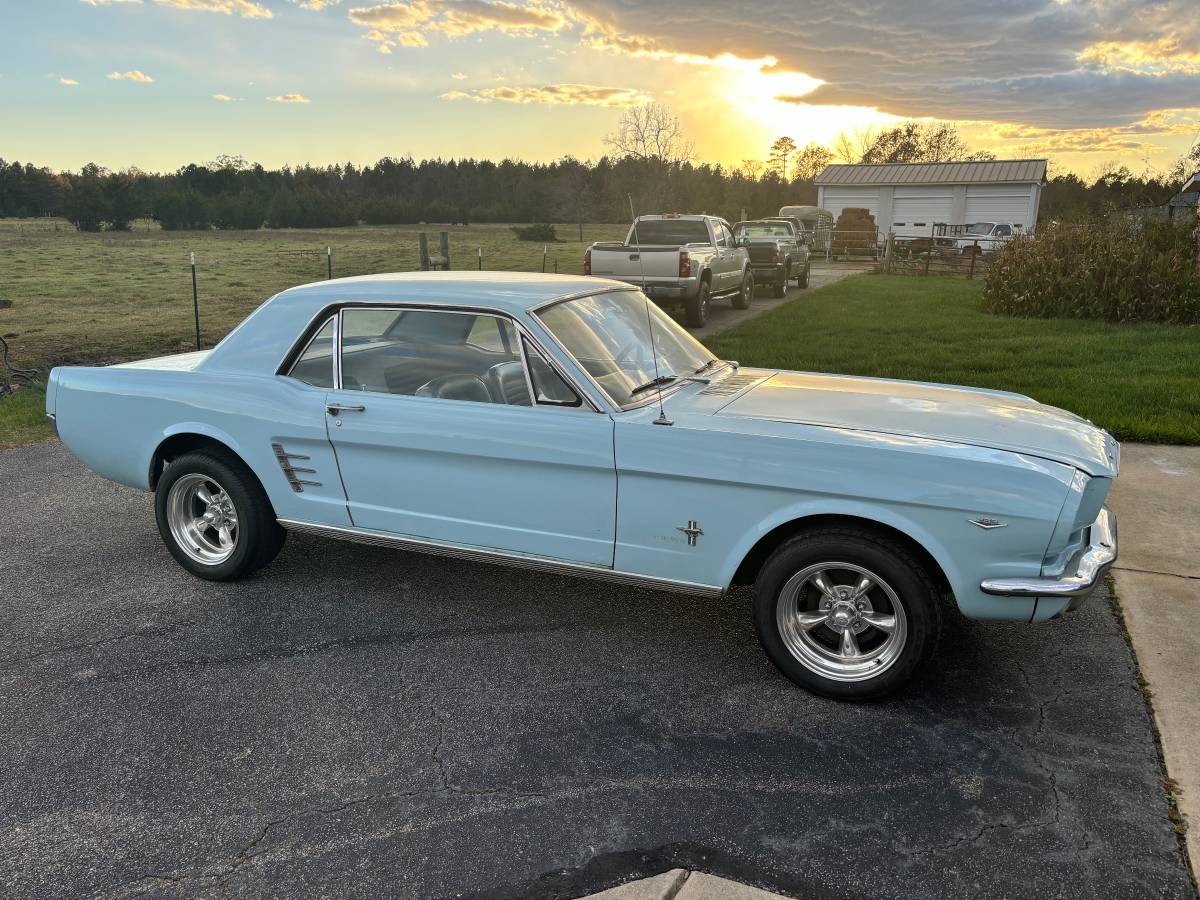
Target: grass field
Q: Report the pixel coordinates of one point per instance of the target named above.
(1141, 382)
(114, 296)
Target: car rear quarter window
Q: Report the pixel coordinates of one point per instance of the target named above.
(315, 365)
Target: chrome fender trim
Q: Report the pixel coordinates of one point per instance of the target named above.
(498, 557)
(1095, 560)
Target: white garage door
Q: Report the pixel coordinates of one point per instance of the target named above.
(998, 203)
(838, 198)
(915, 210)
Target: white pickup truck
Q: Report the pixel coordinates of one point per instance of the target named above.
(679, 260)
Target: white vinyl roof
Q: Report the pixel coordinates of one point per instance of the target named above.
(996, 171)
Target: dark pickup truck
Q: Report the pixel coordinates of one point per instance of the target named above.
(777, 252)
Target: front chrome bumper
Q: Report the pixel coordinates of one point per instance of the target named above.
(1081, 575)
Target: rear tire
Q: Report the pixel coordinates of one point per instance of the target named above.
(846, 613)
(215, 517)
(779, 287)
(802, 278)
(696, 308)
(745, 294)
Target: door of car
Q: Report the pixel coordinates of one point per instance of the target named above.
(444, 432)
(727, 269)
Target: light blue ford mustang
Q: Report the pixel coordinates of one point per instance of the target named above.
(566, 424)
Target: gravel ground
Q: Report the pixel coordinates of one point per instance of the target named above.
(359, 722)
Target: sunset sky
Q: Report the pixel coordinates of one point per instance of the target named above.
(160, 83)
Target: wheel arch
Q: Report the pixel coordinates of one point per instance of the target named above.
(936, 560)
(186, 437)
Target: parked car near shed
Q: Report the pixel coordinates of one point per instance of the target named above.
(778, 253)
(566, 424)
(678, 260)
(817, 223)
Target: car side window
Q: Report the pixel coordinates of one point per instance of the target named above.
(433, 353)
(549, 389)
(720, 235)
(315, 365)
(1003, 231)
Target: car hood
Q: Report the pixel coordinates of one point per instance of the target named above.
(936, 411)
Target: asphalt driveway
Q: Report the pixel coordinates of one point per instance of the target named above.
(362, 722)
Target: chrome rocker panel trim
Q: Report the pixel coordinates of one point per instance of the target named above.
(1092, 563)
(498, 557)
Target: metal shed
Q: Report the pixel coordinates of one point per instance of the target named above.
(921, 199)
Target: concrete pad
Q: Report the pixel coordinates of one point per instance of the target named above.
(658, 887)
(1162, 613)
(1157, 499)
(680, 884)
(709, 887)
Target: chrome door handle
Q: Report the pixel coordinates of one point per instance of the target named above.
(334, 408)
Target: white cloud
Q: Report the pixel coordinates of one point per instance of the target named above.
(409, 23)
(289, 98)
(69, 82)
(225, 98)
(556, 95)
(132, 75)
(244, 8)
(459, 76)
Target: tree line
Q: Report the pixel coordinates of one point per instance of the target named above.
(649, 166)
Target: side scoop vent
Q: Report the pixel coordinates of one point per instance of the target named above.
(293, 472)
(732, 384)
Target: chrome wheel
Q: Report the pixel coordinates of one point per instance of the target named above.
(202, 519)
(841, 621)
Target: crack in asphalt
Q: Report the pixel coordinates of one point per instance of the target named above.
(1156, 572)
(158, 631)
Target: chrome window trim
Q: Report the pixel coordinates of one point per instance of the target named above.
(529, 376)
(337, 309)
(294, 358)
(499, 557)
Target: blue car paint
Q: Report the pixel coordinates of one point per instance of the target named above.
(608, 487)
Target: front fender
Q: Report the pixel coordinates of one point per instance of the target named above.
(868, 512)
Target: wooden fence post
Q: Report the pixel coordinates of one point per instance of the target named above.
(423, 250)
(444, 245)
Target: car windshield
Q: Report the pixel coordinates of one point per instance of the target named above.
(671, 232)
(763, 229)
(981, 228)
(609, 336)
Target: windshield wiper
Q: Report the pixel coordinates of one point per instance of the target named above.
(656, 382)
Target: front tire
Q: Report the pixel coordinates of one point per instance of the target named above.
(846, 613)
(696, 308)
(215, 517)
(745, 294)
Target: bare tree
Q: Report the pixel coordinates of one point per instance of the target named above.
(651, 137)
(651, 132)
(751, 169)
(851, 148)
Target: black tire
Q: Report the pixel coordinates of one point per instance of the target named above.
(696, 308)
(895, 571)
(802, 278)
(256, 537)
(745, 294)
(779, 285)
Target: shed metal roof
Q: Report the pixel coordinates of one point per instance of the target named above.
(989, 172)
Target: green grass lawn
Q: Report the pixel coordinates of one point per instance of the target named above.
(1141, 382)
(23, 418)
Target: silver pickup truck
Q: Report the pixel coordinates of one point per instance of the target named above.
(679, 260)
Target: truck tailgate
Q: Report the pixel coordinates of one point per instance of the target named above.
(626, 262)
